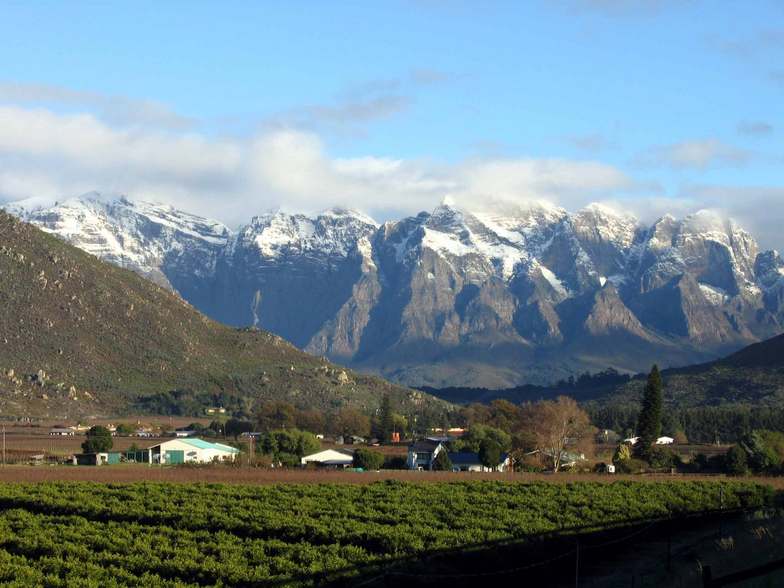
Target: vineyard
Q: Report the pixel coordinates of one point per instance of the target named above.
(58, 534)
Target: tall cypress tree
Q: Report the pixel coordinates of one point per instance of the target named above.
(386, 420)
(649, 421)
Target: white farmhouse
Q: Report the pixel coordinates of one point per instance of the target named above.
(665, 441)
(468, 461)
(422, 454)
(190, 450)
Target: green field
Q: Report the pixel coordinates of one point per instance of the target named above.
(58, 534)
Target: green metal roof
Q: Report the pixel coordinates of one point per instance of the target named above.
(202, 444)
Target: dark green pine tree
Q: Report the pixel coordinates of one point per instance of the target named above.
(650, 420)
(385, 419)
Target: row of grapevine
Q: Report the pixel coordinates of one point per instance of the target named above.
(59, 534)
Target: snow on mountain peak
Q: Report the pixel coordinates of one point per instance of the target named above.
(131, 233)
(333, 232)
(349, 213)
(503, 237)
(605, 223)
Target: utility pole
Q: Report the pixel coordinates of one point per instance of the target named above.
(3, 445)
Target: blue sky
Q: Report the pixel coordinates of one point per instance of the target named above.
(653, 105)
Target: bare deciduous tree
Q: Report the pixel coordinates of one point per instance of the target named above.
(557, 425)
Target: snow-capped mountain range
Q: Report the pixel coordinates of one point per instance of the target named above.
(454, 297)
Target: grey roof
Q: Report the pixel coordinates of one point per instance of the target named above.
(470, 458)
(426, 445)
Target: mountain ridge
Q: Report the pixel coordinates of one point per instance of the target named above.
(492, 297)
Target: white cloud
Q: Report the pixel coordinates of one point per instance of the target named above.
(49, 155)
(753, 207)
(54, 155)
(114, 109)
(697, 154)
(562, 181)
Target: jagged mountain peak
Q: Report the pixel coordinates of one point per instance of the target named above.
(76, 213)
(333, 232)
(605, 210)
(769, 268)
(708, 220)
(524, 287)
(599, 222)
(341, 212)
(139, 235)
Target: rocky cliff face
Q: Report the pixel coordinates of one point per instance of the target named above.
(492, 298)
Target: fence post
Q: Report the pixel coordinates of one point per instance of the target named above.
(707, 577)
(577, 565)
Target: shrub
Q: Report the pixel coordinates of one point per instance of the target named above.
(631, 466)
(367, 459)
(442, 463)
(99, 439)
(395, 462)
(622, 453)
(477, 434)
(289, 445)
(736, 461)
(124, 430)
(662, 458)
(764, 449)
(529, 463)
(490, 453)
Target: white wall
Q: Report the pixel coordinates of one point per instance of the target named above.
(201, 455)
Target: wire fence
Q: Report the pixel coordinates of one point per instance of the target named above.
(581, 547)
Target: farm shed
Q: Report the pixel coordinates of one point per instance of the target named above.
(96, 459)
(190, 450)
(330, 458)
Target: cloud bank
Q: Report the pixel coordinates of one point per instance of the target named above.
(45, 154)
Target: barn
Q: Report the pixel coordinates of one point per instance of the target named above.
(190, 450)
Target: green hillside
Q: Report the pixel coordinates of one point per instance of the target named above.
(752, 376)
(82, 337)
